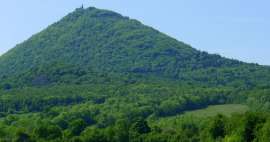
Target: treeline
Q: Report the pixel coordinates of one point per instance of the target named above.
(248, 127)
(128, 113)
(67, 112)
(161, 100)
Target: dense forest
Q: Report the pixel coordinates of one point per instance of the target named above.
(97, 76)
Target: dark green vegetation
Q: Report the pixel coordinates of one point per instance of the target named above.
(96, 76)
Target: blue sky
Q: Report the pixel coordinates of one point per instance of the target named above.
(238, 29)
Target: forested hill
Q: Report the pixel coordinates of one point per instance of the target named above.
(97, 76)
(98, 46)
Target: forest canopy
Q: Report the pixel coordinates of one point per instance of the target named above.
(97, 76)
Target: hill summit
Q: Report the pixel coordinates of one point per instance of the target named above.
(100, 46)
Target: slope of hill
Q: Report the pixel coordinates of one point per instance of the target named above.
(91, 45)
(99, 76)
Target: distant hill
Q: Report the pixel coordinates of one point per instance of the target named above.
(92, 45)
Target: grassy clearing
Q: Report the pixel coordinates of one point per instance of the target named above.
(227, 109)
(198, 115)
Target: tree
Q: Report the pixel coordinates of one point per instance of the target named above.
(48, 131)
(141, 126)
(77, 126)
(264, 134)
(122, 130)
(251, 123)
(217, 127)
(170, 107)
(63, 124)
(233, 138)
(7, 86)
(21, 136)
(94, 135)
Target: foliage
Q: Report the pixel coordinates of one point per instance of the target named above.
(92, 46)
(98, 76)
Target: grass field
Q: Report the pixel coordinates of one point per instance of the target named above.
(197, 115)
(227, 110)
